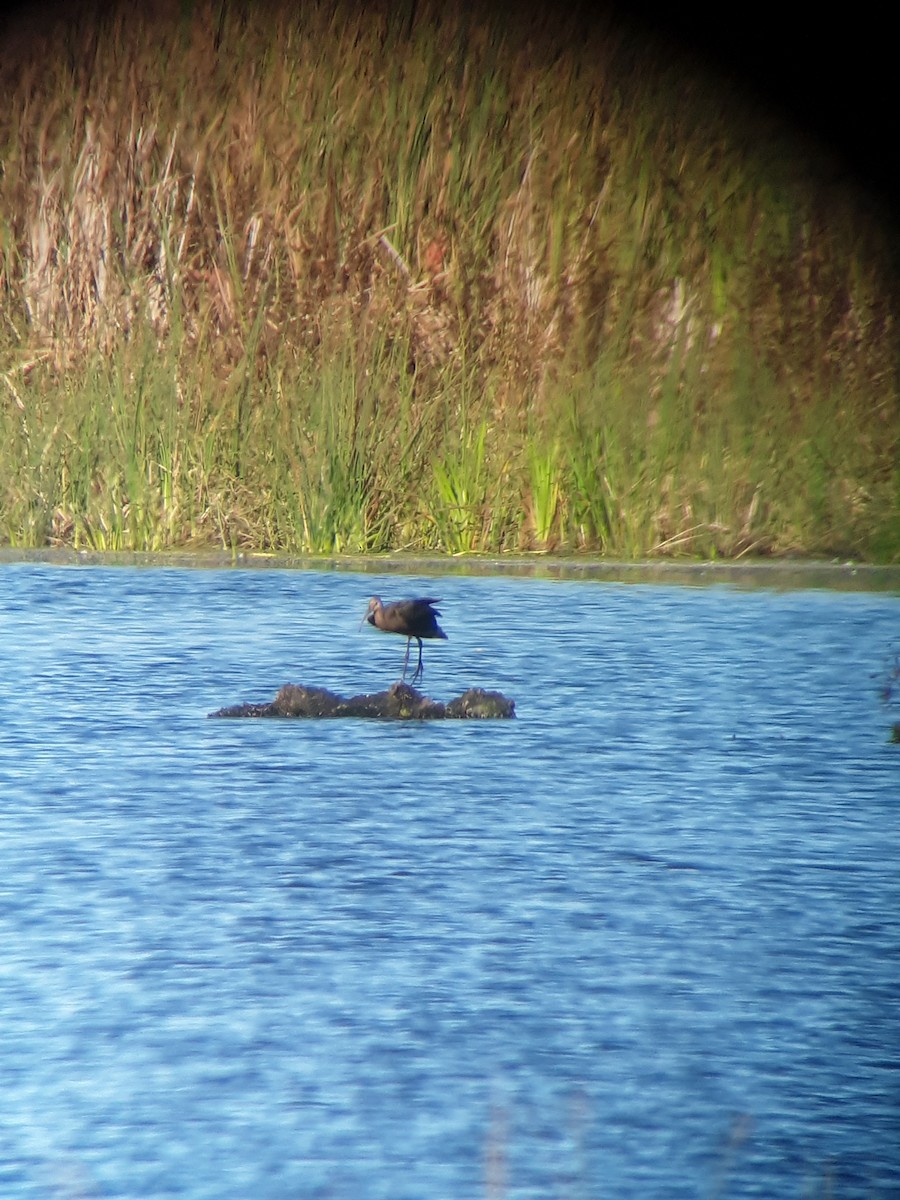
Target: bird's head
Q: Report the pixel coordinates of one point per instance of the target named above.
(374, 605)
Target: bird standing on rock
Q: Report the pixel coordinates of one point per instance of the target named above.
(411, 618)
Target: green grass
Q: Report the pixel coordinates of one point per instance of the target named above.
(356, 280)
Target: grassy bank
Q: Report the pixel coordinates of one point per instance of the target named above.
(427, 279)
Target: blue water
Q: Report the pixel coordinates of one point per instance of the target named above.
(643, 941)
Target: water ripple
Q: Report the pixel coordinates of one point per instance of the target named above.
(641, 941)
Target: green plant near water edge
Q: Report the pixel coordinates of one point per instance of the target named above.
(460, 489)
(545, 492)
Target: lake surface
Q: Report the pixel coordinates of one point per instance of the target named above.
(643, 941)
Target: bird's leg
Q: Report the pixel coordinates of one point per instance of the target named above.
(406, 662)
(420, 669)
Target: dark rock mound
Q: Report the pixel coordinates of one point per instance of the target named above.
(399, 703)
(481, 705)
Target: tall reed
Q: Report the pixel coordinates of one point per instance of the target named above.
(360, 278)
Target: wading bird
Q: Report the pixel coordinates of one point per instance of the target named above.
(411, 618)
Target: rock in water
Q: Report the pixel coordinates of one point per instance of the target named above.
(399, 703)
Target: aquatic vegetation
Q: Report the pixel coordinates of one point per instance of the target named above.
(356, 279)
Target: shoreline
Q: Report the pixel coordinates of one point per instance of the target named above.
(781, 573)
